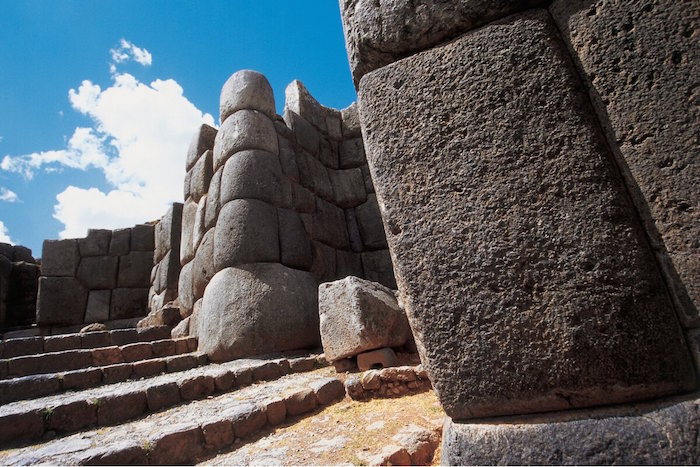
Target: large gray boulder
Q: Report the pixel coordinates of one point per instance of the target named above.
(357, 315)
(255, 309)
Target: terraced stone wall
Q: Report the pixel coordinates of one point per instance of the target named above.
(102, 277)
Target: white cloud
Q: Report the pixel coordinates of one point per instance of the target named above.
(128, 51)
(4, 234)
(8, 195)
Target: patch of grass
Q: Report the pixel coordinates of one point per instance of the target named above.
(147, 447)
(47, 413)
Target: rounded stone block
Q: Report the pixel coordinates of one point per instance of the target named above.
(184, 288)
(203, 264)
(242, 315)
(201, 141)
(189, 214)
(246, 233)
(246, 89)
(245, 129)
(252, 174)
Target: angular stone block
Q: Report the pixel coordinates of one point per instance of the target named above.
(143, 237)
(307, 136)
(299, 100)
(350, 120)
(246, 233)
(120, 243)
(352, 153)
(199, 229)
(22, 253)
(252, 175)
(168, 231)
(61, 300)
(369, 186)
(353, 231)
(348, 187)
(329, 225)
(128, 303)
(202, 141)
(323, 261)
(379, 33)
(203, 264)
(97, 310)
(60, 257)
(201, 174)
(369, 221)
(246, 89)
(640, 62)
(357, 316)
(288, 159)
(303, 201)
(295, 246)
(213, 200)
(348, 263)
(169, 272)
(245, 129)
(328, 153)
(96, 243)
(314, 176)
(184, 288)
(333, 123)
(99, 272)
(526, 249)
(378, 267)
(241, 314)
(135, 269)
(189, 212)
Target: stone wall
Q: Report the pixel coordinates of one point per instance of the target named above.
(537, 177)
(273, 206)
(19, 276)
(104, 276)
(166, 259)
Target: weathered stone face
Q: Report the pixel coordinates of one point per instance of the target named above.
(640, 62)
(246, 89)
(527, 280)
(61, 300)
(60, 257)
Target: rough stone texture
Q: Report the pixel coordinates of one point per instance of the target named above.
(241, 314)
(352, 153)
(380, 358)
(120, 243)
(97, 310)
(246, 232)
(665, 436)
(253, 174)
(199, 229)
(301, 402)
(167, 232)
(98, 272)
(201, 174)
(213, 200)
(348, 187)
(358, 315)
(246, 89)
(379, 33)
(143, 237)
(640, 62)
(295, 247)
(203, 264)
(369, 221)
(245, 129)
(60, 257)
(128, 303)
(300, 101)
(135, 269)
(527, 281)
(329, 225)
(61, 300)
(96, 243)
(189, 212)
(200, 143)
(378, 267)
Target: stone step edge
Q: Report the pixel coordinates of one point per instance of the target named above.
(30, 424)
(34, 330)
(67, 360)
(36, 386)
(17, 347)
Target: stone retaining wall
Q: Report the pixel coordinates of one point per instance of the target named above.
(104, 276)
(19, 276)
(166, 259)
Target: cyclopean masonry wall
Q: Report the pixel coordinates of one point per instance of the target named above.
(102, 277)
(536, 278)
(19, 276)
(166, 259)
(273, 207)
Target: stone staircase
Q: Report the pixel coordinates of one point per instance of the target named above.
(128, 396)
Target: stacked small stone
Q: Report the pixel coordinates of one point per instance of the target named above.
(104, 276)
(387, 382)
(19, 275)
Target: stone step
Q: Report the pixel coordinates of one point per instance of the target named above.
(168, 359)
(111, 404)
(65, 360)
(18, 347)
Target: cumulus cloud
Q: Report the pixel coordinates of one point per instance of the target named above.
(8, 196)
(139, 140)
(4, 234)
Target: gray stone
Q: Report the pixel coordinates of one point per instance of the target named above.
(182, 329)
(60, 257)
(352, 153)
(135, 269)
(640, 62)
(213, 200)
(295, 246)
(96, 243)
(357, 316)
(120, 243)
(61, 300)
(241, 314)
(350, 120)
(246, 233)
(168, 272)
(199, 229)
(329, 225)
(348, 187)
(99, 272)
(512, 234)
(288, 159)
(186, 185)
(314, 175)
(201, 175)
(348, 263)
(638, 435)
(328, 153)
(189, 212)
(252, 175)
(378, 267)
(22, 253)
(97, 310)
(246, 89)
(245, 129)
(322, 261)
(333, 123)
(6, 251)
(307, 136)
(128, 303)
(303, 200)
(369, 221)
(369, 186)
(202, 141)
(300, 101)
(353, 231)
(184, 288)
(380, 358)
(194, 318)
(379, 33)
(143, 237)
(203, 264)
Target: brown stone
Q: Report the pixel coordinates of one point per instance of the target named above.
(60, 258)
(61, 300)
(180, 363)
(89, 340)
(137, 351)
(328, 390)
(106, 356)
(217, 434)
(380, 358)
(246, 419)
(301, 402)
(117, 408)
(81, 379)
(72, 416)
(224, 381)
(21, 426)
(96, 243)
(23, 346)
(163, 348)
(162, 396)
(276, 411)
(148, 368)
(197, 387)
(266, 372)
(122, 453)
(128, 303)
(116, 373)
(176, 444)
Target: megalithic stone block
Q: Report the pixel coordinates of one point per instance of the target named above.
(245, 129)
(201, 142)
(246, 89)
(60, 257)
(61, 300)
(520, 260)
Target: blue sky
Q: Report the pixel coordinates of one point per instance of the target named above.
(99, 98)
